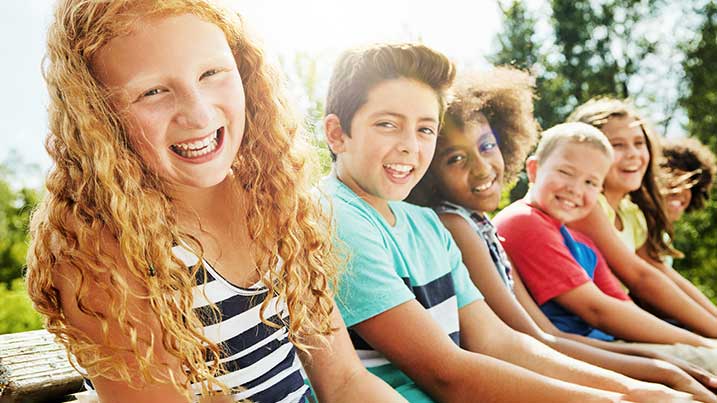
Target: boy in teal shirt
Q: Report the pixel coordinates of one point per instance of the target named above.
(414, 316)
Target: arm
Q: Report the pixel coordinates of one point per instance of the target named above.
(623, 319)
(67, 280)
(686, 286)
(493, 338)
(484, 275)
(419, 347)
(337, 375)
(645, 281)
(620, 358)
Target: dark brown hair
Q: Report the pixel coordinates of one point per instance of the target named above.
(359, 70)
(688, 155)
(504, 97)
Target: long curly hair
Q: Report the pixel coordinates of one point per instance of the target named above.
(597, 112)
(690, 155)
(100, 185)
(502, 95)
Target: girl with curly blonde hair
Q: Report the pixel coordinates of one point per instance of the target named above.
(628, 227)
(178, 250)
(488, 132)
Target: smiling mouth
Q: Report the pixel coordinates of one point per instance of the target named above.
(399, 171)
(483, 187)
(198, 148)
(566, 203)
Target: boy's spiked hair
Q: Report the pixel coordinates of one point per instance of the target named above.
(572, 133)
(688, 155)
(359, 70)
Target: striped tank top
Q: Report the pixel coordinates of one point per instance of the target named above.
(257, 357)
(260, 362)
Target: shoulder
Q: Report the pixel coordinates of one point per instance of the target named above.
(518, 215)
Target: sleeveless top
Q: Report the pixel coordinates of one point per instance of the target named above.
(481, 224)
(257, 358)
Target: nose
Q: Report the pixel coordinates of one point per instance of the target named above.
(192, 110)
(409, 142)
(479, 167)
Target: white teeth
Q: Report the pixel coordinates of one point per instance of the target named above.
(399, 167)
(197, 148)
(676, 203)
(484, 186)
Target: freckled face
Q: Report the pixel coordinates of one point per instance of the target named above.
(468, 167)
(175, 82)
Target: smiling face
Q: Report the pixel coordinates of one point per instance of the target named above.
(175, 82)
(567, 183)
(468, 167)
(392, 141)
(632, 155)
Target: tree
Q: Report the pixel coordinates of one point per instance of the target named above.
(696, 233)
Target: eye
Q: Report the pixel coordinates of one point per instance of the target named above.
(487, 147)
(617, 145)
(592, 183)
(209, 73)
(152, 92)
(454, 159)
(564, 172)
(427, 130)
(386, 125)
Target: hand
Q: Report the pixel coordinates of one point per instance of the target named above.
(644, 392)
(701, 375)
(681, 381)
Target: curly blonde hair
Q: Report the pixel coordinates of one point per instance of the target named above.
(504, 96)
(99, 184)
(597, 112)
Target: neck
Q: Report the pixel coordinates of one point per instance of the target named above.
(379, 204)
(613, 197)
(207, 207)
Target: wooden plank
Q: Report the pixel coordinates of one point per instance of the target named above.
(33, 368)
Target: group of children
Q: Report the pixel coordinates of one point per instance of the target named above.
(182, 253)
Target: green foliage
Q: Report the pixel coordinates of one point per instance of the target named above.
(595, 49)
(598, 48)
(15, 208)
(696, 233)
(16, 312)
(700, 100)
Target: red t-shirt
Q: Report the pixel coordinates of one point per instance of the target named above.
(536, 247)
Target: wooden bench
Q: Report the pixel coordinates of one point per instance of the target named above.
(33, 368)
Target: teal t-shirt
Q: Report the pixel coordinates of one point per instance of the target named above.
(390, 265)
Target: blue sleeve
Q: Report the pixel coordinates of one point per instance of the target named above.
(370, 284)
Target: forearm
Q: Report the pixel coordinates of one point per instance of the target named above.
(495, 380)
(657, 289)
(531, 354)
(625, 320)
(362, 386)
(692, 291)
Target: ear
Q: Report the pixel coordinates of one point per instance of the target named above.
(531, 168)
(335, 136)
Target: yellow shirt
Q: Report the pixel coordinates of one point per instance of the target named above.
(634, 225)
